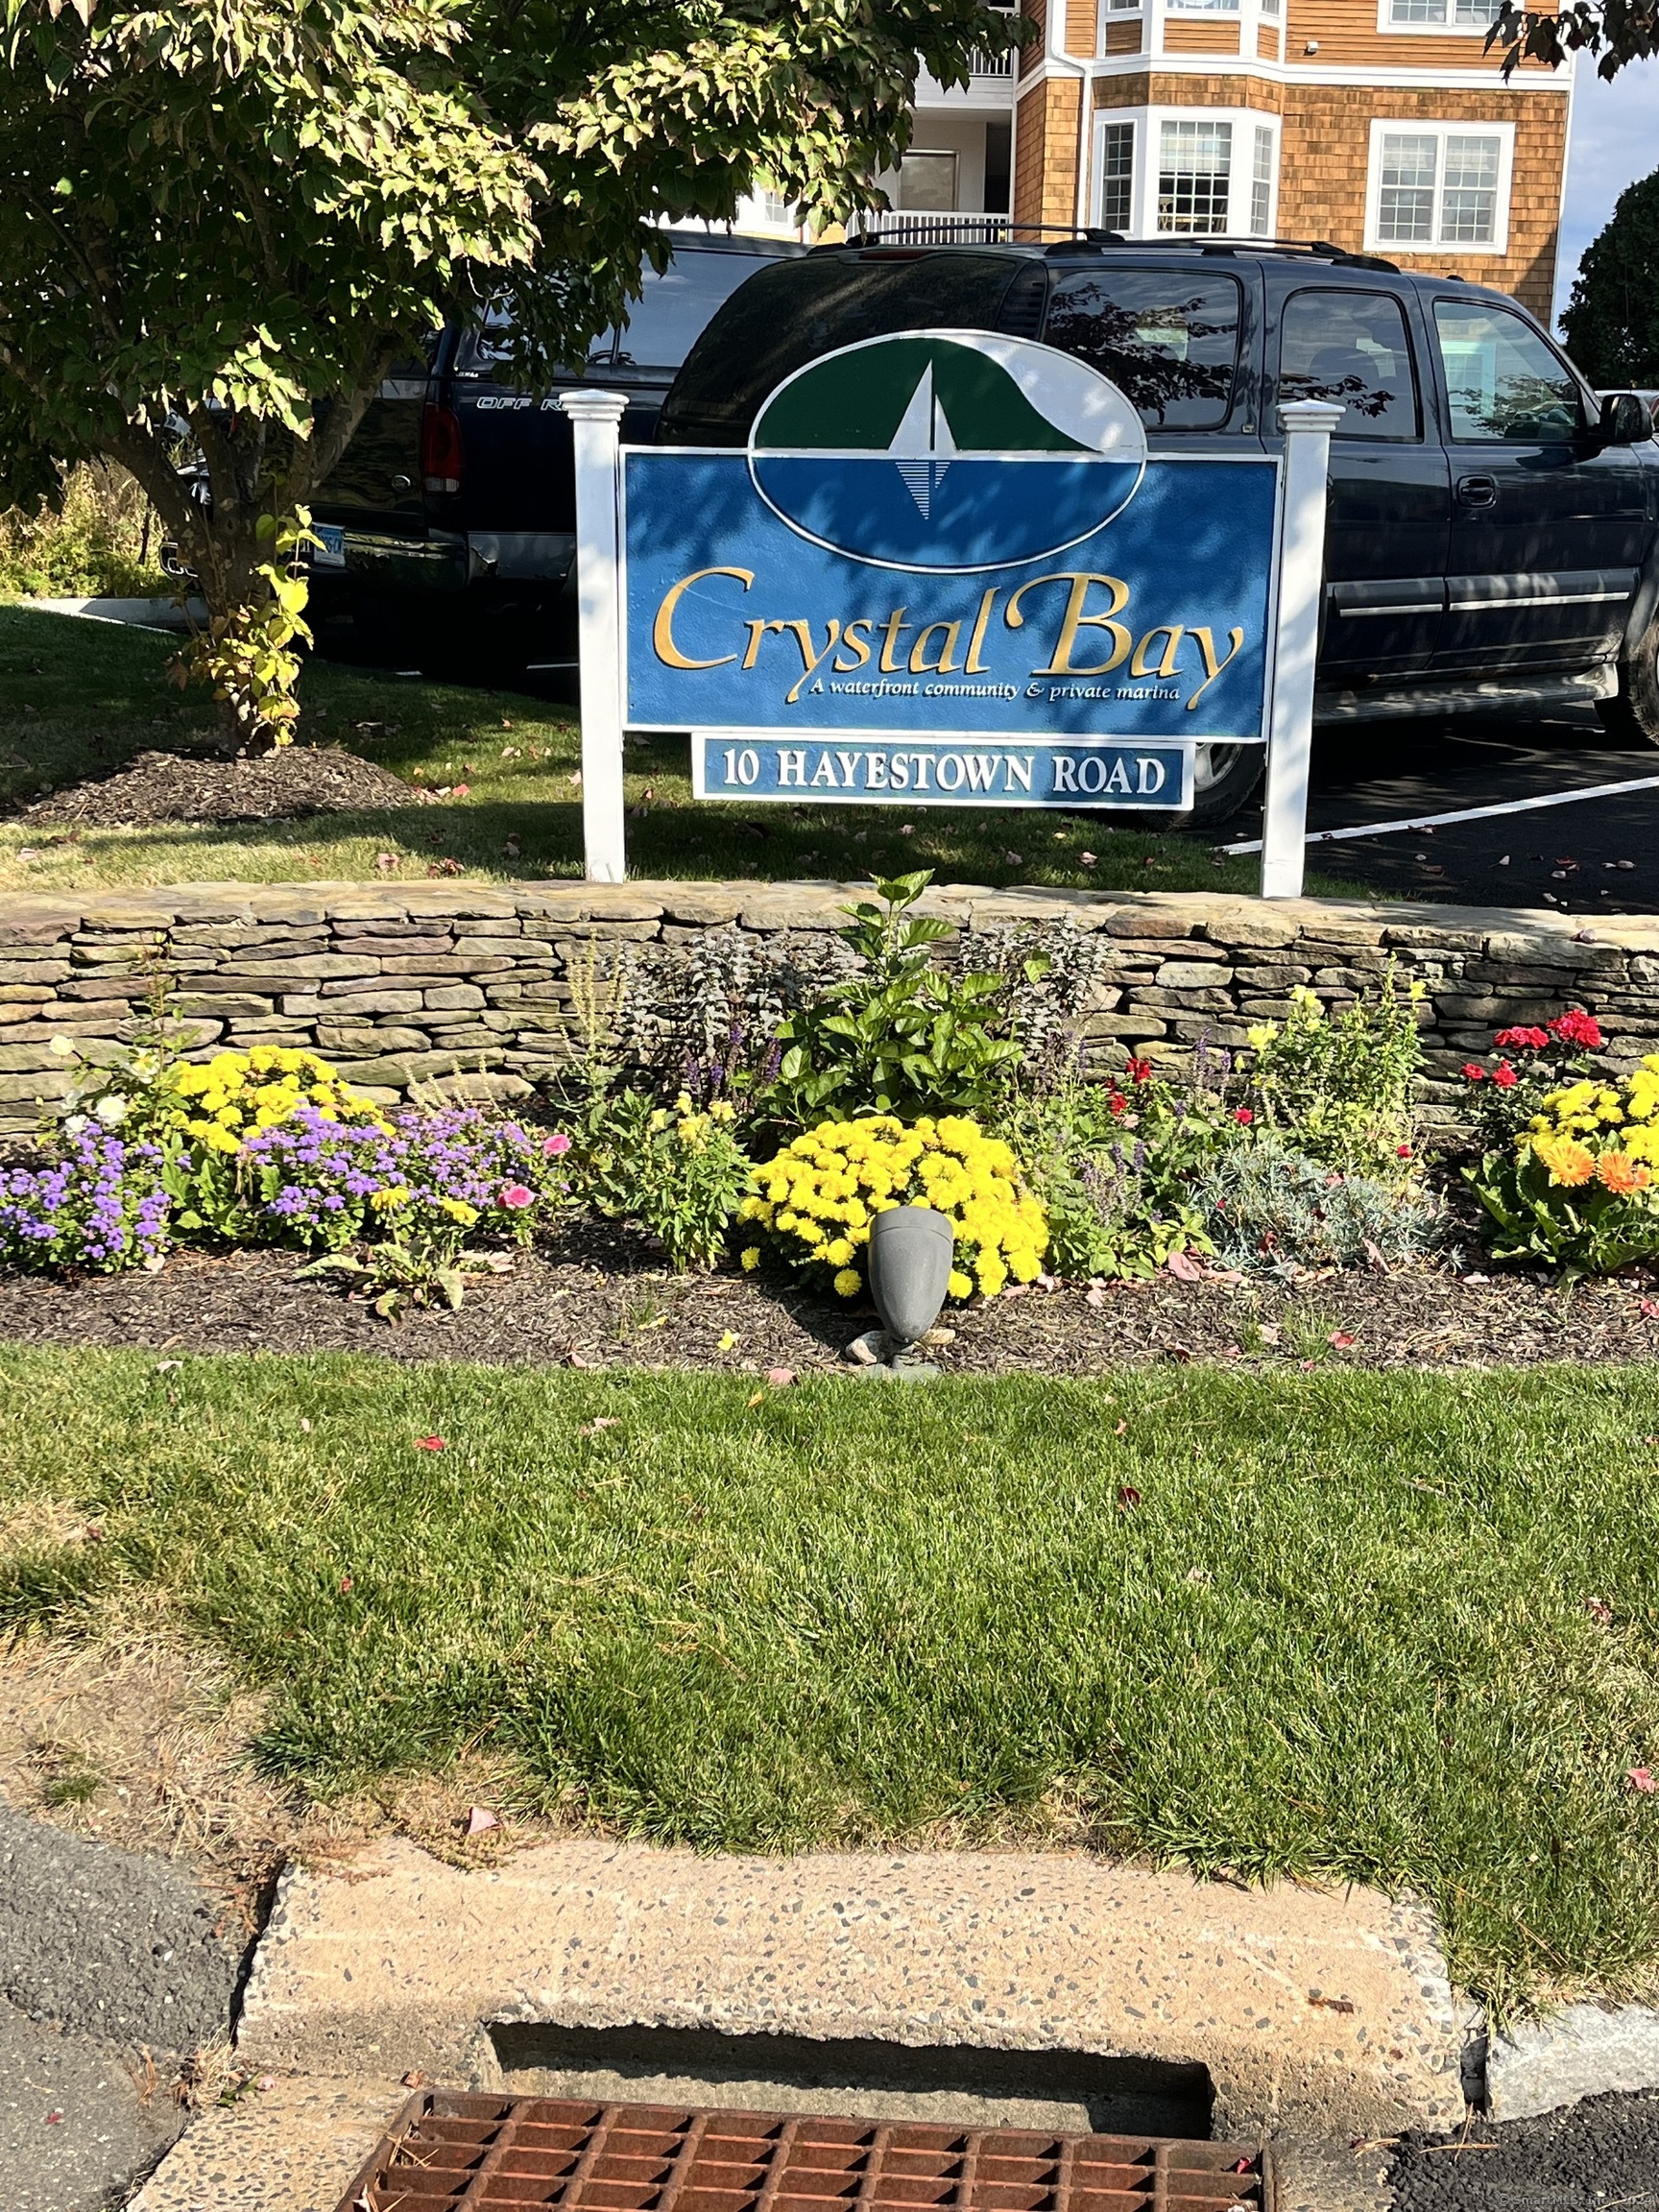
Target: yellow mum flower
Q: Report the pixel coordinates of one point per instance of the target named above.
(752, 1258)
(960, 1286)
(849, 1283)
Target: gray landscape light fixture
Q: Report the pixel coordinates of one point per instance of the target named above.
(911, 1254)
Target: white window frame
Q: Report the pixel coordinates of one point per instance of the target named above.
(1419, 127)
(1386, 24)
(1149, 138)
(1129, 120)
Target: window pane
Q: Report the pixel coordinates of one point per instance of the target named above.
(1405, 202)
(1203, 7)
(1417, 11)
(1351, 347)
(668, 317)
(927, 182)
(1268, 7)
(1170, 343)
(1504, 382)
(1469, 202)
(1262, 184)
(1117, 175)
(1478, 14)
(1193, 162)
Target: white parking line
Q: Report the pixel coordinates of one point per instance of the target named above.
(1463, 814)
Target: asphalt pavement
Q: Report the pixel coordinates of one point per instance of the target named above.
(1579, 854)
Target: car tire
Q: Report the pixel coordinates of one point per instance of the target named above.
(1225, 779)
(1632, 717)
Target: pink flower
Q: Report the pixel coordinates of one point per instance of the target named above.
(1473, 1072)
(557, 1145)
(1505, 1076)
(1243, 1116)
(517, 1196)
(429, 1443)
(1642, 1778)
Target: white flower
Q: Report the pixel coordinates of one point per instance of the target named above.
(75, 1124)
(63, 1047)
(113, 1109)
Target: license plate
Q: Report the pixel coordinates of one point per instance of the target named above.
(330, 550)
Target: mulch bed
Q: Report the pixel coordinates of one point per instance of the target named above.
(190, 788)
(599, 1297)
(1586, 2157)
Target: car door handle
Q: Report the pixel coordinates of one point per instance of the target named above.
(1478, 490)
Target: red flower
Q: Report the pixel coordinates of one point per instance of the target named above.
(1117, 1103)
(1403, 1151)
(1505, 1076)
(1243, 1116)
(1473, 1072)
(1574, 1028)
(1525, 1040)
(1140, 1070)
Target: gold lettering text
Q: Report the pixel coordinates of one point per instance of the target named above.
(1147, 663)
(663, 628)
(1207, 647)
(1077, 619)
(945, 665)
(973, 665)
(890, 629)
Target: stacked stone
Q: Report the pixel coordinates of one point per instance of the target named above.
(473, 984)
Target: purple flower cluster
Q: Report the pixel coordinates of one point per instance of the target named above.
(100, 1204)
(327, 1182)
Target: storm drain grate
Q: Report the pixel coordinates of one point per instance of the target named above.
(450, 2152)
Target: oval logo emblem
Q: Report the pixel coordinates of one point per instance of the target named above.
(951, 450)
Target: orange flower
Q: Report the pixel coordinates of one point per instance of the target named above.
(1567, 1161)
(1620, 1173)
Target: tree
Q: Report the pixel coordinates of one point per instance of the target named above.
(1612, 320)
(232, 216)
(1619, 31)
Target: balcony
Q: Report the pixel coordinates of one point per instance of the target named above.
(900, 228)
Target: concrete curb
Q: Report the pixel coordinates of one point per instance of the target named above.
(131, 614)
(1579, 2053)
(1317, 2015)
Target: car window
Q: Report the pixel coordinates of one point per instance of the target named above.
(670, 315)
(1351, 347)
(664, 324)
(796, 310)
(1167, 340)
(1504, 382)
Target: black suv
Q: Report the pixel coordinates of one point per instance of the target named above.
(458, 484)
(1492, 519)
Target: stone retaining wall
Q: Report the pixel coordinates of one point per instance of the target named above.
(425, 982)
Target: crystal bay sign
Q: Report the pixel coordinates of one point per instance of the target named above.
(946, 570)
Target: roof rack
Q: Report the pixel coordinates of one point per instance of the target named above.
(903, 227)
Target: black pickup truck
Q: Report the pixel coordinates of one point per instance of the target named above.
(451, 519)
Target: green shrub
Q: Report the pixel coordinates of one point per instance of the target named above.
(1338, 1087)
(102, 542)
(1265, 1204)
(679, 1173)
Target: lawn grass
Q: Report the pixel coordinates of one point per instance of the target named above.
(1399, 1628)
(77, 699)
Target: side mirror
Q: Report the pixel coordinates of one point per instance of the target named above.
(1626, 420)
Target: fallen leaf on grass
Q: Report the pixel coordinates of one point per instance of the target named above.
(345, 1585)
(779, 1378)
(1127, 1496)
(1184, 1268)
(604, 1421)
(755, 1398)
(1342, 1341)
(429, 1443)
(1120, 1429)
(1181, 1352)
(480, 1818)
(574, 1358)
(1642, 1779)
(1088, 859)
(1599, 1610)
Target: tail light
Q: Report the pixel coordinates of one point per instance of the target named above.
(440, 448)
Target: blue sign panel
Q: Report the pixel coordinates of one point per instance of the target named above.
(944, 536)
(942, 771)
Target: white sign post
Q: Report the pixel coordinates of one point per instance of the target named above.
(1307, 424)
(595, 423)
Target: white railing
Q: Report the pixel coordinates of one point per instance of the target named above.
(915, 229)
(984, 64)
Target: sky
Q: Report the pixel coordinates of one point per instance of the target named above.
(1614, 141)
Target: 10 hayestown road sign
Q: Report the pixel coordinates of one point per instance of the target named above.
(946, 571)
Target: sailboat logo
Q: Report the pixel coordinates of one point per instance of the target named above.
(951, 450)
